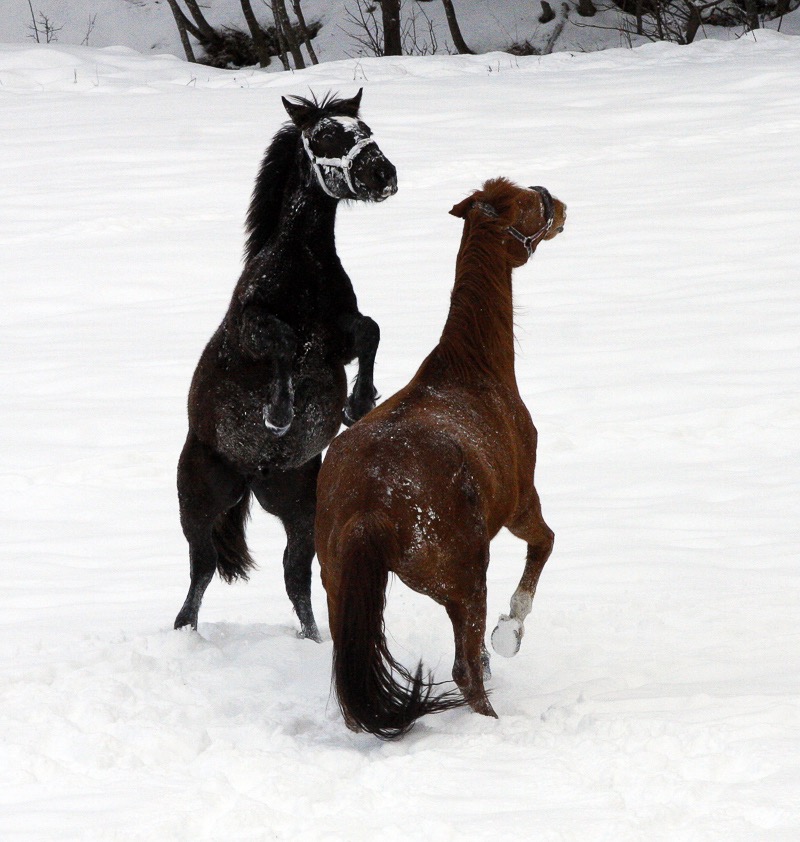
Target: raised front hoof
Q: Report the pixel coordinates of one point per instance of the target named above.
(311, 632)
(278, 421)
(507, 636)
(355, 409)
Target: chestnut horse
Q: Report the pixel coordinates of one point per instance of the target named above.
(421, 485)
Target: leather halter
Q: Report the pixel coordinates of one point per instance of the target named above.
(532, 240)
(344, 163)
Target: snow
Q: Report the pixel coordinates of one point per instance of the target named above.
(656, 694)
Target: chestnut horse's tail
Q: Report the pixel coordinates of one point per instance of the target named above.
(228, 533)
(375, 693)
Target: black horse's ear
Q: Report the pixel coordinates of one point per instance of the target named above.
(350, 107)
(298, 111)
(460, 210)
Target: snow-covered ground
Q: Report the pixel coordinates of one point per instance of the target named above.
(657, 692)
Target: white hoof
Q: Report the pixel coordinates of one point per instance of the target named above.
(507, 636)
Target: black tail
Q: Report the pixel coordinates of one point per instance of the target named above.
(375, 693)
(233, 558)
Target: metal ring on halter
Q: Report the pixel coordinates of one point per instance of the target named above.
(532, 240)
(344, 163)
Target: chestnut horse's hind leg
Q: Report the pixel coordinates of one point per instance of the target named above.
(467, 612)
(530, 527)
(207, 488)
(292, 497)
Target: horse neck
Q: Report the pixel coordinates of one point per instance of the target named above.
(478, 337)
(308, 215)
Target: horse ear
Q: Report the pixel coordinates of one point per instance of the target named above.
(350, 106)
(460, 210)
(297, 111)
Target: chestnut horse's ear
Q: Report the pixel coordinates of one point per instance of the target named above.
(349, 107)
(460, 210)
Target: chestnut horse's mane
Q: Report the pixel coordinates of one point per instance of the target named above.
(479, 333)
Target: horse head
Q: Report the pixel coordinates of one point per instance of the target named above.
(528, 214)
(345, 159)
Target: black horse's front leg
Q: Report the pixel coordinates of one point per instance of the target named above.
(266, 338)
(365, 336)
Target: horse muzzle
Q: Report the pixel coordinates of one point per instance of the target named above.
(375, 175)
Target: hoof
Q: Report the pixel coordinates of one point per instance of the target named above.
(284, 414)
(483, 706)
(276, 431)
(354, 410)
(183, 620)
(310, 633)
(507, 636)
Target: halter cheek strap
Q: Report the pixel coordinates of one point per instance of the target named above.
(345, 164)
(532, 240)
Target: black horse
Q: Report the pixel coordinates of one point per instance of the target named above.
(270, 389)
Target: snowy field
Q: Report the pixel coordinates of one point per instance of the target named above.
(657, 692)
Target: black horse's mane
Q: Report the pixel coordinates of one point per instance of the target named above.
(279, 159)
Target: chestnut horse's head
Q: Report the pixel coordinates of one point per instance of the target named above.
(525, 215)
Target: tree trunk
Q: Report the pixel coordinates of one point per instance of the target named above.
(180, 21)
(392, 42)
(547, 12)
(751, 10)
(282, 52)
(586, 9)
(256, 32)
(279, 8)
(209, 34)
(455, 30)
(304, 30)
(693, 23)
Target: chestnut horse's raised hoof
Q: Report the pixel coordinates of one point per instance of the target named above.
(270, 390)
(422, 484)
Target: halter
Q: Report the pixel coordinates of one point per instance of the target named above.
(345, 163)
(532, 240)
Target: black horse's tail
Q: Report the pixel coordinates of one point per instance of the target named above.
(233, 558)
(375, 693)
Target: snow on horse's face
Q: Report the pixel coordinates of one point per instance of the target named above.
(345, 160)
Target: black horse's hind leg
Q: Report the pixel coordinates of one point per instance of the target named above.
(365, 336)
(207, 489)
(292, 497)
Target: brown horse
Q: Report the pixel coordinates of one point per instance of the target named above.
(421, 485)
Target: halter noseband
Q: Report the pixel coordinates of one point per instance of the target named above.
(345, 163)
(532, 240)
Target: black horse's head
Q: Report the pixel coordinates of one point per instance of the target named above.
(345, 159)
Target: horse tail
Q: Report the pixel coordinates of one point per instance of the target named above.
(233, 558)
(375, 693)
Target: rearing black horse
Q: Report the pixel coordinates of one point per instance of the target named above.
(270, 389)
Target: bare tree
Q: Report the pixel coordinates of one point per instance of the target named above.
(455, 30)
(304, 31)
(282, 21)
(43, 28)
(256, 33)
(182, 23)
(392, 41)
